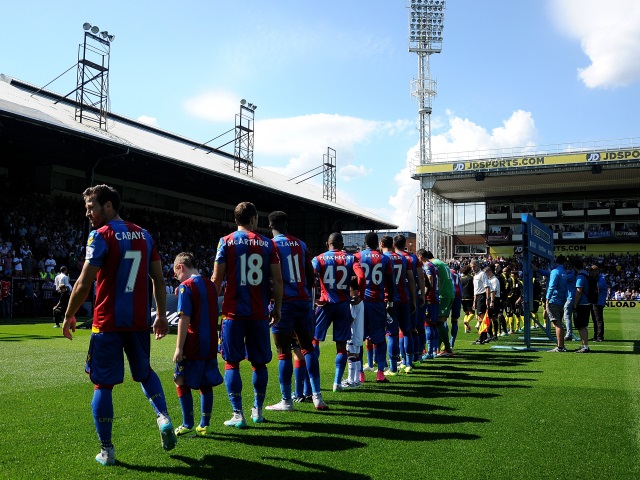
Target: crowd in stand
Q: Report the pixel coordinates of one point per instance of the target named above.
(40, 233)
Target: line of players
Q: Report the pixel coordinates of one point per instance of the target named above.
(382, 293)
(268, 288)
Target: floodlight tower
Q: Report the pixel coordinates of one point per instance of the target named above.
(329, 175)
(243, 146)
(92, 91)
(426, 21)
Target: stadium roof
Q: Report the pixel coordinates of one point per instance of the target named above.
(133, 150)
(590, 172)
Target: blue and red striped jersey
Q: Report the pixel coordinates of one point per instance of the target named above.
(457, 286)
(400, 265)
(198, 300)
(123, 251)
(248, 257)
(295, 258)
(334, 270)
(430, 270)
(375, 266)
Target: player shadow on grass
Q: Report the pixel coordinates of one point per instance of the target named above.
(332, 431)
(221, 467)
(22, 338)
(312, 443)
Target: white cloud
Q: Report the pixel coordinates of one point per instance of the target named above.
(214, 105)
(304, 140)
(609, 36)
(153, 121)
(353, 172)
(464, 138)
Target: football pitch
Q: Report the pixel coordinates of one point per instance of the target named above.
(486, 413)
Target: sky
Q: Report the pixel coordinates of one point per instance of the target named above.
(337, 73)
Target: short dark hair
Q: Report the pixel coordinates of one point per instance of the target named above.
(561, 259)
(103, 194)
(386, 241)
(336, 240)
(185, 258)
(371, 240)
(399, 241)
(428, 255)
(63, 269)
(243, 212)
(278, 221)
(353, 283)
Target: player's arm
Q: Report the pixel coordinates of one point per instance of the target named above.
(161, 324)
(278, 290)
(421, 286)
(412, 289)
(219, 270)
(309, 273)
(362, 279)
(78, 296)
(183, 328)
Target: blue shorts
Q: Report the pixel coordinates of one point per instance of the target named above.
(420, 316)
(338, 314)
(105, 359)
(392, 324)
(375, 319)
(456, 307)
(248, 339)
(433, 309)
(295, 317)
(403, 316)
(198, 374)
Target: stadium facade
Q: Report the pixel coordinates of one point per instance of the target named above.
(43, 147)
(588, 195)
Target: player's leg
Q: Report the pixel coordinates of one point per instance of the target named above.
(233, 352)
(282, 332)
(405, 340)
(137, 346)
(259, 354)
(206, 407)
(393, 347)
(456, 308)
(185, 398)
(443, 330)
(105, 366)
(341, 319)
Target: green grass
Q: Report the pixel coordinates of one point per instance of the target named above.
(483, 414)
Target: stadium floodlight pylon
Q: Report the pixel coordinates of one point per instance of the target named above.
(426, 22)
(92, 90)
(243, 144)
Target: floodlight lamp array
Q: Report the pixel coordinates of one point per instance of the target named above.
(427, 20)
(249, 106)
(95, 30)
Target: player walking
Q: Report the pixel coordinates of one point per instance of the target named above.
(120, 256)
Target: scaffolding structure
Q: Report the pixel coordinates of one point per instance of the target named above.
(329, 175)
(92, 90)
(243, 143)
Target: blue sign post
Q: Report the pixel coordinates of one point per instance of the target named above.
(536, 240)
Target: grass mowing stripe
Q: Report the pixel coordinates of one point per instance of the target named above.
(484, 413)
